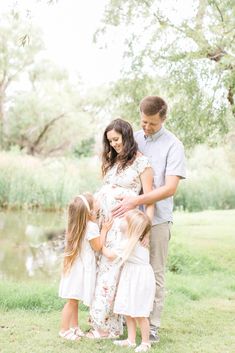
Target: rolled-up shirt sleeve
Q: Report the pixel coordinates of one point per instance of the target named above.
(176, 160)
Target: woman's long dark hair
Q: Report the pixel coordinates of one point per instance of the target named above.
(127, 155)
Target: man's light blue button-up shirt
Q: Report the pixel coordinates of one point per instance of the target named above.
(166, 155)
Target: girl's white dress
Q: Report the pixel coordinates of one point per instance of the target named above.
(136, 288)
(79, 282)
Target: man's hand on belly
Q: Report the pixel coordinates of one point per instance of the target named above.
(126, 204)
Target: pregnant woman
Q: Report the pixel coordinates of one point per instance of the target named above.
(126, 172)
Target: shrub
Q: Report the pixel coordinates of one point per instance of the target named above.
(182, 260)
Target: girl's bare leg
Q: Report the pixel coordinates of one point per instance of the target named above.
(131, 328)
(68, 314)
(144, 328)
(74, 317)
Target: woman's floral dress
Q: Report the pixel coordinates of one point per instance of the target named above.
(124, 183)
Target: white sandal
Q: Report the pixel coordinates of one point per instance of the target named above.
(94, 335)
(124, 343)
(69, 335)
(143, 347)
(77, 331)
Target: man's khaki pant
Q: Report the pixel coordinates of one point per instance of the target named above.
(159, 239)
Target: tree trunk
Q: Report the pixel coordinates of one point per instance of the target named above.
(2, 119)
(231, 99)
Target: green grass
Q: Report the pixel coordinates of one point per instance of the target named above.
(31, 295)
(199, 308)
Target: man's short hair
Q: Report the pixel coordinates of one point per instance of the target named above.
(152, 105)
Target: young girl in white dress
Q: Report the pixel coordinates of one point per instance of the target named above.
(136, 288)
(77, 283)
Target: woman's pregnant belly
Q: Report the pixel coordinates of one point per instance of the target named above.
(109, 196)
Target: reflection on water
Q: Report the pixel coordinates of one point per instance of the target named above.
(31, 244)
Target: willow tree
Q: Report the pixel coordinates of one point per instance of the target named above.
(184, 51)
(41, 109)
(19, 43)
(47, 115)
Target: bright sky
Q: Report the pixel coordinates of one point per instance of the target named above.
(68, 27)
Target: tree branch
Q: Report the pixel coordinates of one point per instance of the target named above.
(218, 9)
(57, 148)
(165, 22)
(46, 127)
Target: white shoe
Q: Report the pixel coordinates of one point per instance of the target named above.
(143, 347)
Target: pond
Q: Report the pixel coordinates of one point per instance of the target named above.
(31, 244)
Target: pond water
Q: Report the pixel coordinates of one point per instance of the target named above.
(31, 244)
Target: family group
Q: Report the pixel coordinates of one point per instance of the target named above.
(116, 241)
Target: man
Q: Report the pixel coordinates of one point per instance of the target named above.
(166, 155)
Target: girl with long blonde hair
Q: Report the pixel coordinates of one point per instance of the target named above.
(77, 283)
(136, 288)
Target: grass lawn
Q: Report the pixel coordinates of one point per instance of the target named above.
(199, 313)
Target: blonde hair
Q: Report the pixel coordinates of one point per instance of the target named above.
(78, 217)
(138, 226)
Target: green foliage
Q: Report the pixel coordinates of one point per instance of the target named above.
(205, 187)
(17, 52)
(30, 182)
(195, 116)
(197, 110)
(50, 184)
(47, 119)
(183, 260)
(85, 148)
(15, 28)
(45, 115)
(127, 94)
(206, 192)
(187, 57)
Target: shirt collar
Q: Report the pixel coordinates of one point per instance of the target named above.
(155, 136)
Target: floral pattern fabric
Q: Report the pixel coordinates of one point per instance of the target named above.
(116, 184)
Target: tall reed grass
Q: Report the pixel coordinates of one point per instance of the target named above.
(210, 182)
(28, 182)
